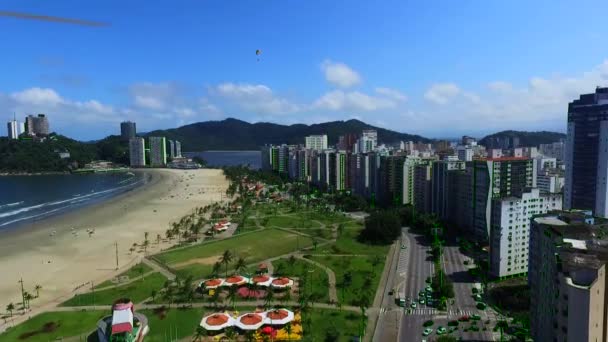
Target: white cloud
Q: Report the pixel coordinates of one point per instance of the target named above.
(256, 98)
(38, 96)
(340, 74)
(148, 102)
(339, 100)
(441, 93)
(391, 93)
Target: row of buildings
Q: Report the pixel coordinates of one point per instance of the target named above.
(540, 210)
(489, 196)
(154, 153)
(35, 126)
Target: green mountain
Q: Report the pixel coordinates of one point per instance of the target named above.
(233, 134)
(525, 138)
(26, 155)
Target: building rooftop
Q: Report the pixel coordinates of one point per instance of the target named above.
(500, 159)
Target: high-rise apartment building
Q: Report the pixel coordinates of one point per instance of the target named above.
(171, 149)
(498, 178)
(127, 130)
(422, 187)
(368, 140)
(137, 152)
(554, 150)
(158, 151)
(13, 129)
(551, 183)
(568, 278)
(510, 230)
(316, 142)
(465, 153)
(178, 149)
(586, 154)
(440, 186)
(347, 142)
(37, 125)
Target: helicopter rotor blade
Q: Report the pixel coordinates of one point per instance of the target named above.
(51, 19)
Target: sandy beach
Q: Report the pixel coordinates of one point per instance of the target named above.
(70, 258)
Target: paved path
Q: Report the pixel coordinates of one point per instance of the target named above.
(206, 305)
(333, 293)
(157, 267)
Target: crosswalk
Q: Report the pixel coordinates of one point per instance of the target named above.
(452, 314)
(422, 311)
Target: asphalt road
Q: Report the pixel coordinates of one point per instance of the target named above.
(419, 267)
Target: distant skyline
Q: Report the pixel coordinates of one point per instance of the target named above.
(440, 69)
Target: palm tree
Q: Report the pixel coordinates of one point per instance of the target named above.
(27, 296)
(240, 264)
(232, 295)
(288, 329)
(37, 288)
(216, 268)
(226, 259)
(10, 307)
(199, 333)
(268, 298)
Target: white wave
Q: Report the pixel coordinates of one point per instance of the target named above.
(31, 217)
(10, 204)
(48, 204)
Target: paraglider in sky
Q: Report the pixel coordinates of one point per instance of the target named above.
(258, 53)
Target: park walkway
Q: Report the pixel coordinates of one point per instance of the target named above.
(207, 305)
(331, 276)
(158, 268)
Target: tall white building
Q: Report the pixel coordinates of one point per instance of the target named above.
(13, 129)
(510, 230)
(368, 140)
(316, 142)
(465, 153)
(137, 152)
(550, 183)
(554, 150)
(178, 149)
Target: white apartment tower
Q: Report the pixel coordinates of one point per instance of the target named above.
(510, 230)
(316, 142)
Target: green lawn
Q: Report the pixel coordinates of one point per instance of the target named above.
(296, 221)
(316, 280)
(325, 321)
(173, 323)
(254, 247)
(133, 272)
(347, 244)
(136, 291)
(361, 269)
(68, 324)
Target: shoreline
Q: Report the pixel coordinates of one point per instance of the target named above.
(63, 262)
(147, 177)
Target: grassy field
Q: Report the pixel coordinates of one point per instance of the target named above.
(318, 280)
(198, 260)
(347, 243)
(292, 221)
(325, 321)
(136, 291)
(365, 276)
(133, 272)
(66, 324)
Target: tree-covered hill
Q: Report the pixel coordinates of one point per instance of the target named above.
(525, 138)
(233, 134)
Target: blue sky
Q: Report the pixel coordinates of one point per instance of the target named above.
(437, 68)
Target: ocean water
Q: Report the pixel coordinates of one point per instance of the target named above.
(25, 199)
(229, 158)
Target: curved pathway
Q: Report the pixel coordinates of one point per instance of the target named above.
(331, 276)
